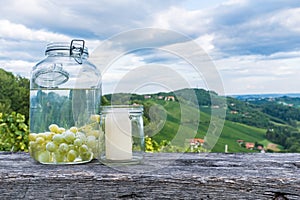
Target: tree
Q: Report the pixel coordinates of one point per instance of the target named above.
(14, 93)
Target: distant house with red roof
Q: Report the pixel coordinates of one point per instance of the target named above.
(169, 98)
(196, 141)
(249, 145)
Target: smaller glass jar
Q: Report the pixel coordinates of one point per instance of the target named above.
(122, 138)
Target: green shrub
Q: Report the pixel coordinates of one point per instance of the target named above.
(151, 145)
(13, 132)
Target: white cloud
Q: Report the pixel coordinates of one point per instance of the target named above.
(13, 31)
(259, 74)
(180, 19)
(26, 8)
(18, 67)
(206, 42)
(288, 18)
(88, 19)
(22, 47)
(238, 26)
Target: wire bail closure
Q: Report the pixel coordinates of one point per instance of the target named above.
(76, 50)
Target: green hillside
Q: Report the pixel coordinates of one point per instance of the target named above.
(171, 122)
(232, 131)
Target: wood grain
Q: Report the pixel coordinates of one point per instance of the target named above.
(161, 176)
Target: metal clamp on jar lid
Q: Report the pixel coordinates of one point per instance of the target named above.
(53, 74)
(77, 52)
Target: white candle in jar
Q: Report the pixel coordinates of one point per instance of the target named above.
(118, 139)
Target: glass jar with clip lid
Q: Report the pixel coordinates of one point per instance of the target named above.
(65, 94)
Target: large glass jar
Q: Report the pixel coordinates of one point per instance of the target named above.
(65, 93)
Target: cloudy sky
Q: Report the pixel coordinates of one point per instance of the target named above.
(253, 44)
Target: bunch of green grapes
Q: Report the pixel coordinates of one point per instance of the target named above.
(63, 146)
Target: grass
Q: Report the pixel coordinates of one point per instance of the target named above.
(177, 130)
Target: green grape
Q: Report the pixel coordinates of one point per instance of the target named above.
(72, 147)
(91, 141)
(48, 136)
(78, 142)
(93, 133)
(59, 157)
(71, 156)
(84, 148)
(63, 148)
(61, 130)
(33, 145)
(44, 157)
(32, 136)
(51, 147)
(86, 156)
(54, 128)
(40, 140)
(58, 139)
(74, 129)
(95, 118)
(42, 135)
(33, 149)
(69, 137)
(95, 152)
(81, 136)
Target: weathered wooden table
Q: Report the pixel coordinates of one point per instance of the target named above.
(162, 176)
